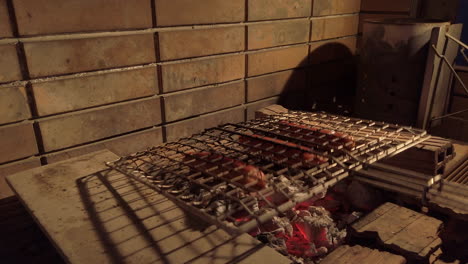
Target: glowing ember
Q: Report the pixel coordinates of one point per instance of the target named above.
(307, 232)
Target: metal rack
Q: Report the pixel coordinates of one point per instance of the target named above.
(240, 175)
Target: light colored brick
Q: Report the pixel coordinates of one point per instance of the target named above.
(9, 64)
(195, 125)
(277, 60)
(87, 91)
(78, 55)
(253, 107)
(178, 76)
(122, 146)
(187, 12)
(329, 50)
(334, 27)
(5, 25)
(335, 7)
(12, 168)
(94, 124)
(13, 105)
(57, 16)
(458, 104)
(17, 141)
(386, 6)
(135, 142)
(458, 89)
(278, 34)
(275, 9)
(274, 84)
(200, 101)
(196, 43)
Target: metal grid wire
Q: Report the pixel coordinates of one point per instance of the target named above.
(240, 175)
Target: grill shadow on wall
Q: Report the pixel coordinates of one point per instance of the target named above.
(323, 81)
(135, 224)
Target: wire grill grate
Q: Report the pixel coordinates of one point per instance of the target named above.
(239, 175)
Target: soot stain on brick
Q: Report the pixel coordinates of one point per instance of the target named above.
(326, 95)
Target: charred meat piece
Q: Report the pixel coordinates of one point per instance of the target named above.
(250, 174)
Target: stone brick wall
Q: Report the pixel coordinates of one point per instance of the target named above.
(81, 75)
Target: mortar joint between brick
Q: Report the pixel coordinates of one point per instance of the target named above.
(153, 12)
(12, 17)
(310, 30)
(39, 139)
(163, 110)
(43, 160)
(246, 56)
(118, 33)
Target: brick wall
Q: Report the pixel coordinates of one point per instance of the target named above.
(82, 75)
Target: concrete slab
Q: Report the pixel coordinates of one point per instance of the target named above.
(94, 215)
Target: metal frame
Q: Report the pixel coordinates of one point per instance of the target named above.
(454, 72)
(209, 168)
(440, 42)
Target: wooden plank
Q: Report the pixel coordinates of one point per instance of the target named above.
(333, 257)
(394, 179)
(392, 222)
(376, 214)
(461, 150)
(450, 195)
(421, 236)
(403, 230)
(449, 207)
(390, 187)
(452, 187)
(379, 257)
(442, 91)
(356, 254)
(363, 255)
(93, 215)
(432, 68)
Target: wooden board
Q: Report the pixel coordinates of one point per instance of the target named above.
(437, 78)
(461, 150)
(449, 198)
(93, 215)
(362, 255)
(412, 234)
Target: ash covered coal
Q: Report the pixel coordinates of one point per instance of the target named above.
(310, 230)
(304, 233)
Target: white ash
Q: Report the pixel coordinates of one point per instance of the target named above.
(284, 224)
(291, 188)
(278, 243)
(255, 206)
(317, 223)
(220, 207)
